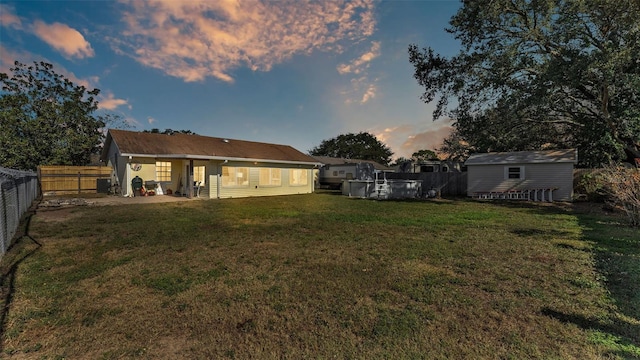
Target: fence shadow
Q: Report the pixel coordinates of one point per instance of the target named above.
(10, 268)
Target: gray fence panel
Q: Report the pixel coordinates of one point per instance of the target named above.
(18, 191)
(446, 183)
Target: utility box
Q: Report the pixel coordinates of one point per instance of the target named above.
(103, 186)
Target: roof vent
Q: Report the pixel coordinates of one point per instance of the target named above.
(225, 140)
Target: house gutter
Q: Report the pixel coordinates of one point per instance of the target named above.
(220, 158)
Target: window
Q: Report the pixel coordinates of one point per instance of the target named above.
(270, 177)
(198, 174)
(163, 171)
(298, 177)
(235, 176)
(427, 168)
(514, 172)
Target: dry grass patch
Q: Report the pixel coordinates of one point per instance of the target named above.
(323, 276)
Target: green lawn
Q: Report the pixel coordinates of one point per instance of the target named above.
(323, 276)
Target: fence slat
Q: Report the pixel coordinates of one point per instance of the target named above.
(71, 179)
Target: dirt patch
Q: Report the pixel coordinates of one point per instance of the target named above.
(49, 214)
(64, 208)
(63, 202)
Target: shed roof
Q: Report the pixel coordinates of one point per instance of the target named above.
(189, 146)
(524, 157)
(328, 160)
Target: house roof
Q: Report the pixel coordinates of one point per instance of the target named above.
(189, 146)
(524, 157)
(327, 160)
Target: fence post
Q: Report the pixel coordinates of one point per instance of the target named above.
(79, 182)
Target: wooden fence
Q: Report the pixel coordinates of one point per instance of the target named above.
(446, 183)
(61, 179)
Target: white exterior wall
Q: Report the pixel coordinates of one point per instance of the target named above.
(216, 190)
(213, 177)
(120, 165)
(485, 178)
(124, 173)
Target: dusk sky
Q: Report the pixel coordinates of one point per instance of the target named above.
(284, 72)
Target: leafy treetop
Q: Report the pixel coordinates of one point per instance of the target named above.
(424, 155)
(45, 119)
(169, 132)
(363, 146)
(540, 74)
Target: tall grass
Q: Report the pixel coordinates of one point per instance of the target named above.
(324, 276)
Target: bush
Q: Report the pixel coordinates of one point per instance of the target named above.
(589, 185)
(622, 186)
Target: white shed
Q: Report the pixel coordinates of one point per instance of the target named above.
(532, 175)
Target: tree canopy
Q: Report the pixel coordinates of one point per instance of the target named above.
(363, 146)
(46, 119)
(540, 75)
(169, 131)
(424, 155)
(399, 161)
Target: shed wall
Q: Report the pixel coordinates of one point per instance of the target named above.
(485, 178)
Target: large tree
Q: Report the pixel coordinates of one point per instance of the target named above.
(362, 146)
(424, 155)
(46, 119)
(540, 74)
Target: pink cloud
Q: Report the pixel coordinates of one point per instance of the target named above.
(63, 38)
(7, 59)
(358, 65)
(109, 102)
(8, 18)
(194, 40)
(369, 94)
(406, 139)
(361, 88)
(427, 140)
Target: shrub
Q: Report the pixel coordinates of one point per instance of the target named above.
(622, 186)
(588, 185)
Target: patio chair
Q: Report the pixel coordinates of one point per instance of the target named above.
(196, 188)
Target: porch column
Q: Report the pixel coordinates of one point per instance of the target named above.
(190, 180)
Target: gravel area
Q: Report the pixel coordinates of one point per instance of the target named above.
(110, 200)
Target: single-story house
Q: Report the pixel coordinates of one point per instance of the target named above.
(533, 175)
(207, 167)
(334, 170)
